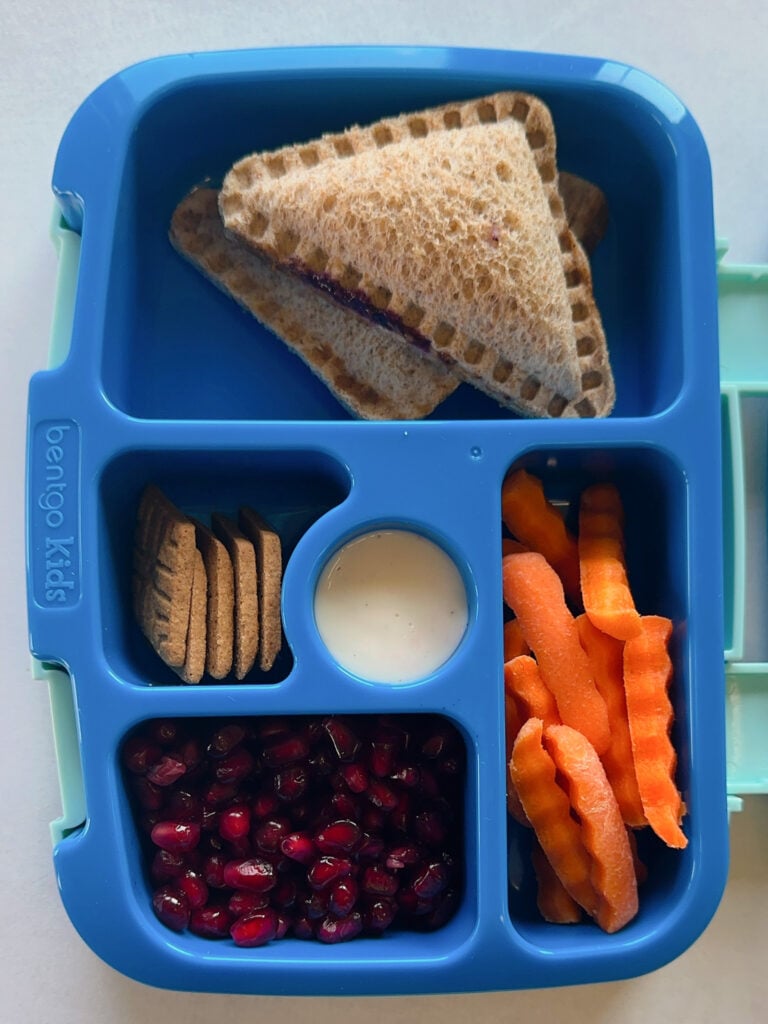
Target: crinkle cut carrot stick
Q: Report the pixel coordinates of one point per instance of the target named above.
(641, 871)
(533, 591)
(548, 809)
(511, 547)
(552, 899)
(514, 641)
(603, 832)
(512, 724)
(647, 675)
(539, 526)
(523, 680)
(605, 588)
(606, 656)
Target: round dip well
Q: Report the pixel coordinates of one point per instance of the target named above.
(391, 606)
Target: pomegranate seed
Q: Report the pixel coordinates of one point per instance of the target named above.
(212, 922)
(139, 754)
(267, 729)
(176, 836)
(379, 914)
(302, 928)
(381, 795)
(338, 837)
(194, 888)
(234, 822)
(290, 783)
(213, 870)
(342, 898)
(219, 793)
(327, 870)
(164, 731)
(370, 848)
(400, 815)
(321, 763)
(166, 771)
(355, 776)
(190, 752)
(334, 929)
(378, 881)
(270, 834)
(412, 904)
(407, 775)
(430, 827)
(382, 756)
(265, 804)
(316, 906)
(449, 766)
(431, 880)
(242, 902)
(299, 847)
(373, 820)
(345, 805)
(225, 739)
(235, 767)
(255, 929)
(240, 849)
(284, 894)
(403, 856)
(148, 795)
(283, 924)
(171, 907)
(286, 750)
(444, 910)
(438, 743)
(345, 743)
(166, 865)
(255, 874)
(184, 806)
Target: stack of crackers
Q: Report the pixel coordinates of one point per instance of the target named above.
(207, 597)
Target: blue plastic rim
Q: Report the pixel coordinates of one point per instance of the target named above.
(167, 380)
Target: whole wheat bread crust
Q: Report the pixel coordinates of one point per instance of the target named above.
(473, 360)
(364, 365)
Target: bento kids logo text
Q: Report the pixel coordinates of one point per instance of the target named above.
(57, 518)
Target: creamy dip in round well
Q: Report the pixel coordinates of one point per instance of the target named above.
(391, 606)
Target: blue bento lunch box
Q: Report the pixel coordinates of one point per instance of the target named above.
(157, 376)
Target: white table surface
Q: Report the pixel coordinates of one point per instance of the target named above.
(715, 57)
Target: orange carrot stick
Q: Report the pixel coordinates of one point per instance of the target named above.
(552, 899)
(511, 547)
(603, 832)
(605, 589)
(641, 871)
(548, 809)
(606, 656)
(534, 592)
(647, 676)
(512, 724)
(514, 641)
(523, 680)
(539, 526)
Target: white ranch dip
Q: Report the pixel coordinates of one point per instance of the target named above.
(391, 606)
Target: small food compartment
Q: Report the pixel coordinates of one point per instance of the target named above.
(295, 834)
(289, 491)
(391, 605)
(181, 349)
(635, 759)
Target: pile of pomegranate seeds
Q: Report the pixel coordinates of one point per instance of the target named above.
(321, 828)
